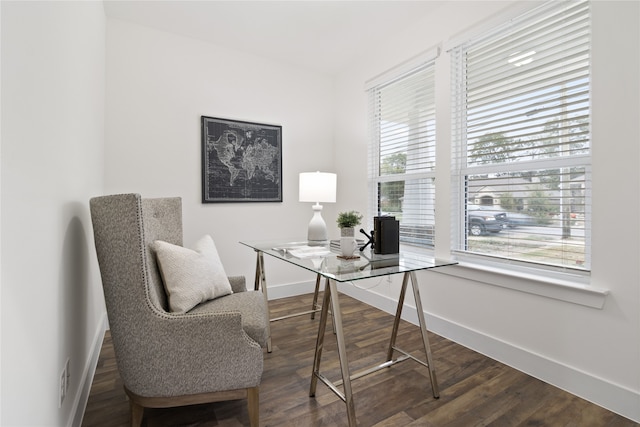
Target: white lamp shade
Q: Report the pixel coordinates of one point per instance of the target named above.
(317, 187)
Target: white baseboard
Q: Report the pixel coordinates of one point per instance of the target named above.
(82, 397)
(615, 398)
(291, 289)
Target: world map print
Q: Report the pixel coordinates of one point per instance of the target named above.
(242, 161)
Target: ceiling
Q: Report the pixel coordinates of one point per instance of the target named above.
(323, 36)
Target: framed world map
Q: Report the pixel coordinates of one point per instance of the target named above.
(241, 161)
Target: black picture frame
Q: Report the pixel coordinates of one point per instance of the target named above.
(241, 161)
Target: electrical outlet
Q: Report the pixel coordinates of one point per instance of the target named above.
(66, 380)
(63, 386)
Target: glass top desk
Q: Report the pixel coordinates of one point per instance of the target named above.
(335, 269)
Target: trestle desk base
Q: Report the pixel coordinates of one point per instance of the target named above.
(260, 283)
(331, 298)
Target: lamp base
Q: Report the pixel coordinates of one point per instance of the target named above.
(317, 233)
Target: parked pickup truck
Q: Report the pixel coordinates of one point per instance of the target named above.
(485, 219)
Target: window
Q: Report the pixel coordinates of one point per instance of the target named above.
(402, 153)
(521, 134)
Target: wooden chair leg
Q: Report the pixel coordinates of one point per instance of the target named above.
(253, 402)
(137, 412)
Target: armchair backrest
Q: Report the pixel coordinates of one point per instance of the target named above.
(161, 220)
(124, 227)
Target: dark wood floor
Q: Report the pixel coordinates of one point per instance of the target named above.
(474, 390)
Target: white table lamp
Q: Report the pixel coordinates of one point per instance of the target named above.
(317, 187)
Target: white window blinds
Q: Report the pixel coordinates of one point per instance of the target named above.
(521, 132)
(402, 153)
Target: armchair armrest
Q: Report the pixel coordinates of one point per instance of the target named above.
(193, 353)
(238, 283)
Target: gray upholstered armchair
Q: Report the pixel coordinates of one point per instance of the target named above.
(212, 352)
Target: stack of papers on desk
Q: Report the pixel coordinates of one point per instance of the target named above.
(309, 251)
(335, 244)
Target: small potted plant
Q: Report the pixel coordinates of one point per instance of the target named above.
(347, 221)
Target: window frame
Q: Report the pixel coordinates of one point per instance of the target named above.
(424, 237)
(460, 171)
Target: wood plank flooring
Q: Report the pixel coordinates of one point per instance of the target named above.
(474, 390)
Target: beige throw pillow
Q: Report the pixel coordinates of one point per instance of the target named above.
(191, 276)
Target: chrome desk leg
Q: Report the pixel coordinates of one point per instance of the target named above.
(425, 338)
(331, 297)
(322, 326)
(342, 353)
(396, 321)
(261, 283)
(314, 306)
(258, 278)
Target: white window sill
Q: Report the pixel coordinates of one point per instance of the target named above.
(559, 289)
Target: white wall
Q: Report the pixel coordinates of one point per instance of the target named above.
(591, 352)
(53, 57)
(158, 87)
